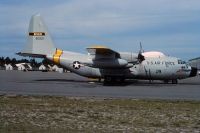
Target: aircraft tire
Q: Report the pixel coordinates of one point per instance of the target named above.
(108, 79)
(166, 81)
(174, 81)
(122, 79)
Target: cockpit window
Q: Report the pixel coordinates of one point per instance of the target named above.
(181, 62)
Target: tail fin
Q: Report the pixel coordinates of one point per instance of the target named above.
(39, 42)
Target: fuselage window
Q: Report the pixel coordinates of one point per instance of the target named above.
(181, 62)
(183, 67)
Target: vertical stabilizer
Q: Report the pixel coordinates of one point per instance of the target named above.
(39, 42)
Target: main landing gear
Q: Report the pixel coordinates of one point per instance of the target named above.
(114, 79)
(173, 81)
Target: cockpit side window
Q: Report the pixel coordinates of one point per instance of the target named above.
(181, 62)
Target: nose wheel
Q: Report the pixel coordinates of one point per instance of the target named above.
(174, 81)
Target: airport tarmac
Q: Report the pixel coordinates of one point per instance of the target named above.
(69, 84)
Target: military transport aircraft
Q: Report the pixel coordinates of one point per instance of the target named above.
(103, 62)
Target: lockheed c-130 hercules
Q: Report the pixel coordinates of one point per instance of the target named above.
(103, 62)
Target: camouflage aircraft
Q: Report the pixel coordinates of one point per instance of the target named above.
(103, 62)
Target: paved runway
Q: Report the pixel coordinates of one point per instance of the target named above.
(68, 84)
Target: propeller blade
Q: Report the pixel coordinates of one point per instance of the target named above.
(140, 56)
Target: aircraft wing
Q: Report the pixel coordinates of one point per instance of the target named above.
(104, 57)
(99, 52)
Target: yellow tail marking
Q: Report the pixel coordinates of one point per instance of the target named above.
(56, 56)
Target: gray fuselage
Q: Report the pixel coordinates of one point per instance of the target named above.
(162, 68)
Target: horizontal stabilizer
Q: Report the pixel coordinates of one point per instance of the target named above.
(31, 55)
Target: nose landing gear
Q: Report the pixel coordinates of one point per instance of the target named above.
(174, 81)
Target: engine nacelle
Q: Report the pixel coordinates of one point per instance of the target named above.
(110, 63)
(129, 56)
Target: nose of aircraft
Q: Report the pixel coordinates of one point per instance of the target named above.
(193, 72)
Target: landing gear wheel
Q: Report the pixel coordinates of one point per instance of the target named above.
(122, 79)
(107, 79)
(174, 81)
(114, 80)
(166, 81)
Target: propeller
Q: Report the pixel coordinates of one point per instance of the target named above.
(140, 56)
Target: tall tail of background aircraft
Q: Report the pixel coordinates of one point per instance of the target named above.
(39, 42)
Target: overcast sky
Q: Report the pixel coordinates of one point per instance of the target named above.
(169, 26)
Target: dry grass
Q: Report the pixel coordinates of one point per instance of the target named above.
(61, 114)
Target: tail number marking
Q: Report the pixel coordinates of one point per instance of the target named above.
(39, 38)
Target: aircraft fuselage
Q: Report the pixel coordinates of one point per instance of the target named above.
(163, 68)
